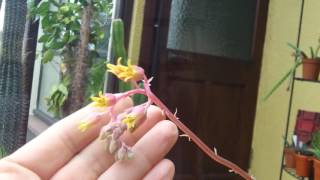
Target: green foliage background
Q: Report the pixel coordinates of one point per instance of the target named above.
(61, 23)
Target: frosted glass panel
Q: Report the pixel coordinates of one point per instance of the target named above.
(214, 27)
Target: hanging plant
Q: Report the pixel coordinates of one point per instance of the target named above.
(311, 67)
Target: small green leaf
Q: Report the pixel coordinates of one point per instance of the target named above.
(44, 38)
(317, 51)
(3, 152)
(48, 56)
(45, 22)
(64, 9)
(83, 2)
(75, 26)
(72, 38)
(62, 100)
(101, 34)
(293, 47)
(298, 52)
(283, 78)
(66, 20)
(66, 37)
(55, 99)
(32, 13)
(312, 52)
(63, 89)
(66, 80)
(43, 8)
(54, 88)
(56, 45)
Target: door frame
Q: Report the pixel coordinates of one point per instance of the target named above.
(150, 44)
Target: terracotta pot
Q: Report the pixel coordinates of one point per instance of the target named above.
(289, 158)
(303, 165)
(316, 167)
(311, 68)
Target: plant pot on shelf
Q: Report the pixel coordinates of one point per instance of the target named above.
(303, 165)
(289, 157)
(316, 168)
(310, 69)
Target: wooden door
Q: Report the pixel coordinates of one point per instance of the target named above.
(205, 56)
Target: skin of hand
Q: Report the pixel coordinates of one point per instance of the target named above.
(64, 152)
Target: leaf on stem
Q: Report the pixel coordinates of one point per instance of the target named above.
(278, 84)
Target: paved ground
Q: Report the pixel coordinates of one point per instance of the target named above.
(30, 135)
(35, 127)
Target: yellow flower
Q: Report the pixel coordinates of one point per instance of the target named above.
(83, 126)
(126, 73)
(100, 101)
(130, 121)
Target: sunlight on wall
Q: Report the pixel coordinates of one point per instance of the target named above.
(282, 27)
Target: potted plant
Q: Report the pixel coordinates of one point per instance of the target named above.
(303, 160)
(316, 163)
(311, 67)
(310, 64)
(316, 151)
(289, 154)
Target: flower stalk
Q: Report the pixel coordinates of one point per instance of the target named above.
(133, 117)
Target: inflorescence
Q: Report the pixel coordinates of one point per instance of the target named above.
(131, 118)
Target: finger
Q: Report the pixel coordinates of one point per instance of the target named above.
(56, 146)
(164, 170)
(96, 155)
(148, 151)
(9, 170)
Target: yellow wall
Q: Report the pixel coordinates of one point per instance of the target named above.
(136, 30)
(282, 27)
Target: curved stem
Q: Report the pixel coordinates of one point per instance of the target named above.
(132, 92)
(214, 156)
(124, 95)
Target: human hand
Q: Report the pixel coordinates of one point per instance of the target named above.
(64, 152)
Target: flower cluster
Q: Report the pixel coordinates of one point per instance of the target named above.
(129, 120)
(111, 133)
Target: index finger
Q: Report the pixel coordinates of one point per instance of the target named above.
(48, 152)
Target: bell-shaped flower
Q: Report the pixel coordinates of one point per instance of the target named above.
(104, 100)
(114, 145)
(126, 73)
(124, 152)
(135, 117)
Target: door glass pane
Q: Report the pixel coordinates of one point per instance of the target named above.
(213, 27)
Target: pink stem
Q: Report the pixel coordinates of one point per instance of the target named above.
(124, 95)
(194, 137)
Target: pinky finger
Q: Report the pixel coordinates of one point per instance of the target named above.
(164, 170)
